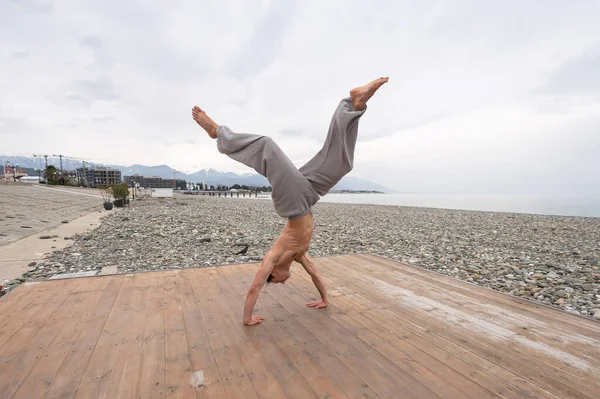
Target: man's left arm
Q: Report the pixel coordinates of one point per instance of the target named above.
(308, 265)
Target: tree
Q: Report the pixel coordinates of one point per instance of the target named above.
(51, 174)
(181, 184)
(201, 186)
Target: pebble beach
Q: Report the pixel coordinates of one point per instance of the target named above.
(553, 260)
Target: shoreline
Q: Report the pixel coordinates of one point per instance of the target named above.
(514, 204)
(554, 260)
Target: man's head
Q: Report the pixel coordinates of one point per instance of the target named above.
(278, 276)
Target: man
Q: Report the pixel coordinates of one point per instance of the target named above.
(295, 191)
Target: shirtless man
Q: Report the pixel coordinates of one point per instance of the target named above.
(295, 191)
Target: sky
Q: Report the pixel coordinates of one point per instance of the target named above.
(484, 97)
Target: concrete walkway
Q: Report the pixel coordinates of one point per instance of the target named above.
(15, 257)
(31, 211)
(27, 209)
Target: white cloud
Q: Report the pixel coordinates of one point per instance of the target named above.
(483, 96)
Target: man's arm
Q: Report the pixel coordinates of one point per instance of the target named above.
(259, 281)
(308, 265)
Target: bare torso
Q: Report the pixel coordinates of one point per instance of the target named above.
(293, 242)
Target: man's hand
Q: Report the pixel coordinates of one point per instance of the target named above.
(254, 320)
(317, 305)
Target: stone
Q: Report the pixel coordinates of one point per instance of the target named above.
(597, 314)
(552, 275)
(32, 264)
(562, 294)
(65, 221)
(46, 237)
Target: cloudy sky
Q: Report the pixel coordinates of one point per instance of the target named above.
(484, 97)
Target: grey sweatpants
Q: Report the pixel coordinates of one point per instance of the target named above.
(295, 190)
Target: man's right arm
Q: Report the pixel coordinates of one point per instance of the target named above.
(260, 279)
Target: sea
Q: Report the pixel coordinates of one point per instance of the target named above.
(581, 207)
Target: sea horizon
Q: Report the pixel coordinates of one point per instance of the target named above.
(528, 204)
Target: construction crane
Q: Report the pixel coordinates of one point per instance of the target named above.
(61, 157)
(40, 157)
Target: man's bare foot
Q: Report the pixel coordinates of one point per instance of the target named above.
(205, 122)
(362, 94)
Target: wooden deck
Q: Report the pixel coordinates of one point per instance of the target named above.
(390, 331)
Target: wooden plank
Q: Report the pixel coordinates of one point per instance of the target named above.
(282, 367)
(478, 344)
(293, 384)
(86, 335)
(234, 377)
(98, 375)
(436, 356)
(437, 376)
(527, 326)
(306, 364)
(201, 356)
(17, 317)
(177, 353)
(488, 374)
(517, 305)
(35, 384)
(336, 370)
(23, 297)
(242, 367)
(570, 364)
(382, 375)
(21, 351)
(126, 366)
(151, 382)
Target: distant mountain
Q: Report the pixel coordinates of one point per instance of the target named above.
(164, 171)
(23, 162)
(215, 177)
(354, 183)
(40, 162)
(205, 176)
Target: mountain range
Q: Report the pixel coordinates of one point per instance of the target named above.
(206, 176)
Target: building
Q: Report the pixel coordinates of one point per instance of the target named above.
(150, 182)
(99, 176)
(13, 172)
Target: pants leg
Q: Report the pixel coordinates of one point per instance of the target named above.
(336, 158)
(292, 195)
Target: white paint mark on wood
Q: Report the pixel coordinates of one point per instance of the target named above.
(475, 324)
(197, 379)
